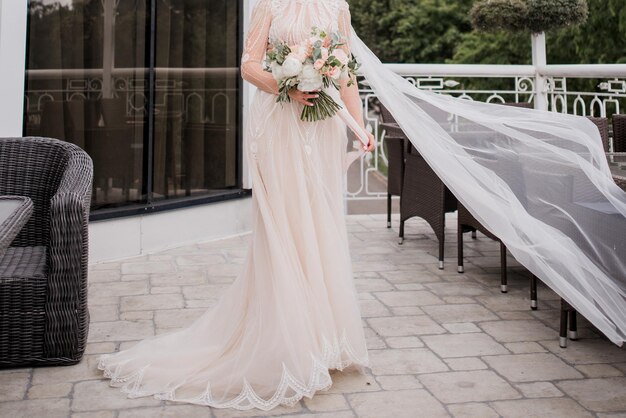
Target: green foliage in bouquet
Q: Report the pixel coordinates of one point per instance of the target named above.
(533, 16)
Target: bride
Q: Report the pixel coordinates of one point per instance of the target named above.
(292, 314)
(538, 180)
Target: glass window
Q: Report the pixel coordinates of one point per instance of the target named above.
(149, 88)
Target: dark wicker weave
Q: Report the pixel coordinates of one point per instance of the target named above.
(619, 133)
(395, 150)
(603, 127)
(11, 226)
(423, 194)
(43, 276)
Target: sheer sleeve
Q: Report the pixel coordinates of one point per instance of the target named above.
(349, 95)
(255, 47)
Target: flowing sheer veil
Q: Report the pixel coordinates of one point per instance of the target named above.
(538, 180)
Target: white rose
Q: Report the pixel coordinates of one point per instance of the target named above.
(310, 79)
(277, 71)
(291, 67)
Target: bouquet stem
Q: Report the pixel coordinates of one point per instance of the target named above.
(324, 107)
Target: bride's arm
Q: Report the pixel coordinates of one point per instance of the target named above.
(350, 95)
(255, 47)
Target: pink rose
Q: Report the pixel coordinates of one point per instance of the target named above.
(324, 53)
(319, 64)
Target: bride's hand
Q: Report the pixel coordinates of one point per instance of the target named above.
(371, 143)
(303, 97)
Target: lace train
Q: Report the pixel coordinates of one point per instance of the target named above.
(319, 380)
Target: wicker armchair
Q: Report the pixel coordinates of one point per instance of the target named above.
(619, 133)
(603, 127)
(395, 150)
(43, 276)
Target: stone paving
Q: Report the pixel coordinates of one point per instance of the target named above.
(441, 343)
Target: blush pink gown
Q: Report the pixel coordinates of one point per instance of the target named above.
(292, 314)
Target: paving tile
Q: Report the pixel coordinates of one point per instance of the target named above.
(465, 363)
(176, 318)
(525, 347)
(587, 351)
(402, 326)
(599, 370)
(352, 380)
(324, 402)
(464, 345)
(468, 386)
(13, 386)
(119, 288)
(445, 314)
(95, 395)
(539, 390)
(461, 327)
(94, 414)
(55, 390)
(120, 330)
(600, 395)
(147, 267)
(48, 408)
(456, 289)
(532, 367)
(404, 342)
(472, 410)
(151, 302)
(540, 408)
(518, 331)
(372, 285)
(373, 308)
(85, 370)
(408, 298)
(405, 361)
(396, 404)
(169, 411)
(399, 382)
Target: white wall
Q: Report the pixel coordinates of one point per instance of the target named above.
(12, 65)
(145, 234)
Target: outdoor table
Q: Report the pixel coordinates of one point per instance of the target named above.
(14, 213)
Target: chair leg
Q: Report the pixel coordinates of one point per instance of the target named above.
(503, 274)
(563, 328)
(388, 210)
(401, 234)
(441, 251)
(474, 236)
(533, 292)
(459, 241)
(573, 327)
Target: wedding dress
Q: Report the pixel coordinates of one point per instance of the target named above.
(292, 314)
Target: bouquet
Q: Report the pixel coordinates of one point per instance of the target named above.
(318, 62)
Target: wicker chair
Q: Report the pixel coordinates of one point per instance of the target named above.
(396, 151)
(43, 276)
(603, 127)
(466, 223)
(619, 133)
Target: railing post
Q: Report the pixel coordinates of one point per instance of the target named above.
(539, 61)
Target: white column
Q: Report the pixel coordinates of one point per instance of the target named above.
(539, 61)
(12, 66)
(248, 91)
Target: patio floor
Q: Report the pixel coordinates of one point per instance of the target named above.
(441, 343)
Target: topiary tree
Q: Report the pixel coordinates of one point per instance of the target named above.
(533, 16)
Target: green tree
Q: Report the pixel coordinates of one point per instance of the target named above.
(411, 30)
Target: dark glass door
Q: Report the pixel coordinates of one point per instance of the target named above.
(149, 88)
